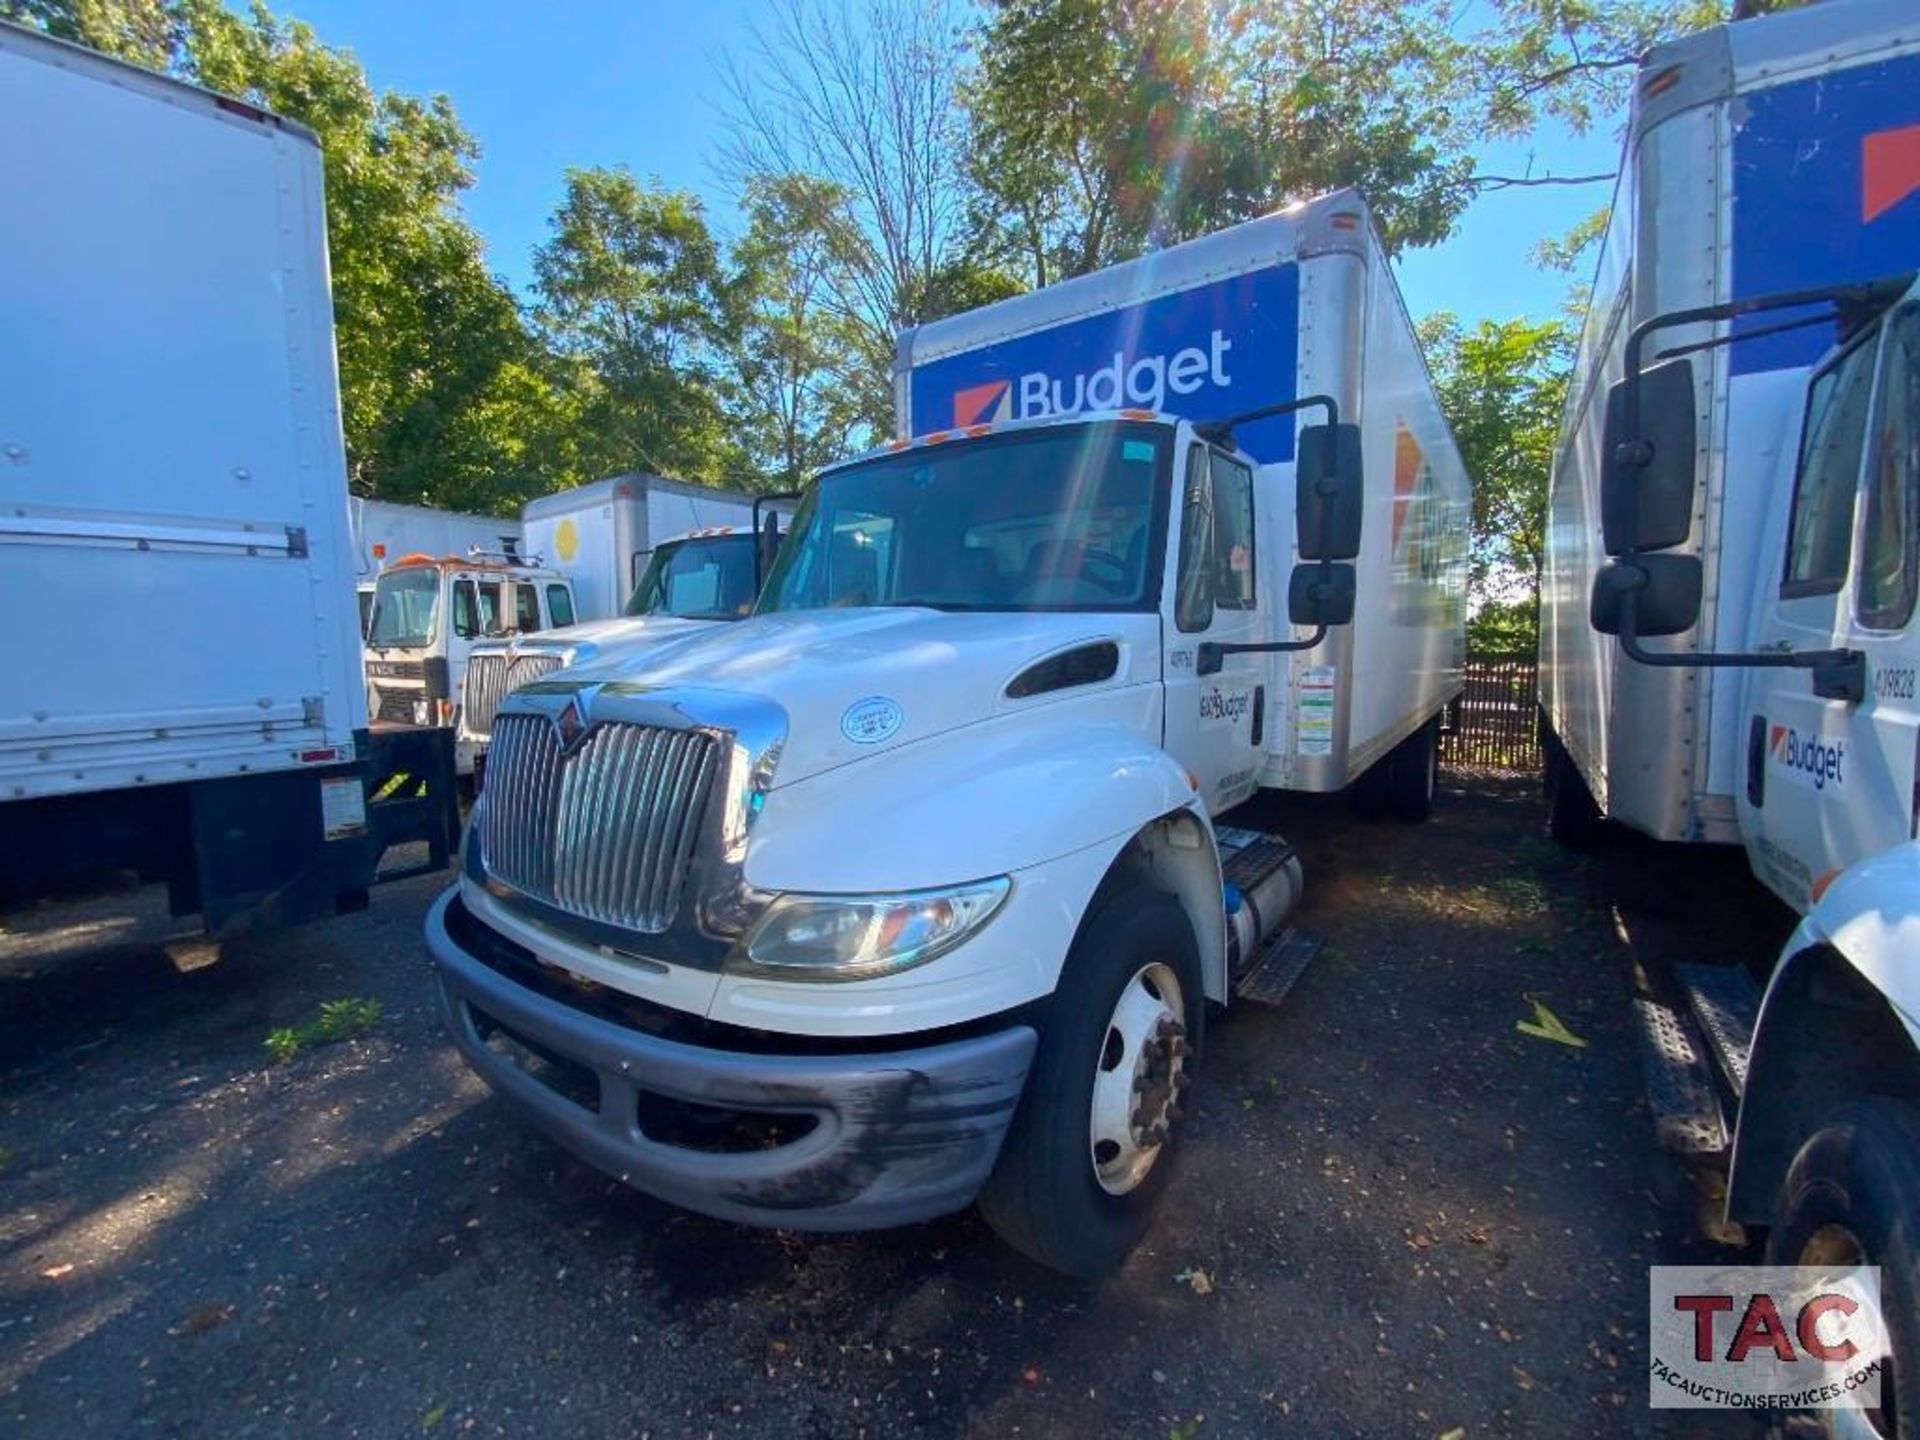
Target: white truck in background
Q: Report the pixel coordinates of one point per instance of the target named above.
(383, 531)
(602, 535)
(576, 559)
(911, 889)
(1728, 638)
(187, 704)
(707, 577)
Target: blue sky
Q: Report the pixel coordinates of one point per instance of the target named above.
(635, 82)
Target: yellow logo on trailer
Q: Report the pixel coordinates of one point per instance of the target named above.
(566, 540)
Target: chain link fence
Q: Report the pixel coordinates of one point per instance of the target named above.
(1490, 729)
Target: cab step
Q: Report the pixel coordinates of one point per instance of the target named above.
(1247, 865)
(1278, 965)
(1687, 1118)
(1725, 1002)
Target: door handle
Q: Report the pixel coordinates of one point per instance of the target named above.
(1259, 715)
(1757, 762)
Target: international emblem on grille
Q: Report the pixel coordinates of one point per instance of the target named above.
(570, 726)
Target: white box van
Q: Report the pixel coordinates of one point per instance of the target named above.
(911, 889)
(173, 506)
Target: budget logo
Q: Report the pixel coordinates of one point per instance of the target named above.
(1807, 759)
(983, 404)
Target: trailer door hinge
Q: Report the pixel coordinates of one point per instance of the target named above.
(297, 542)
(313, 711)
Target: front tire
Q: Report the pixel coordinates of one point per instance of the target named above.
(1092, 1143)
(1852, 1197)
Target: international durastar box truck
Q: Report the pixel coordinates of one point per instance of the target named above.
(181, 696)
(1729, 645)
(908, 889)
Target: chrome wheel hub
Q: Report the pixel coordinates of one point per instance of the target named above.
(1139, 1079)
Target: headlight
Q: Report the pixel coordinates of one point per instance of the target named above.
(857, 937)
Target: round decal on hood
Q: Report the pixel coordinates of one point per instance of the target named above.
(869, 721)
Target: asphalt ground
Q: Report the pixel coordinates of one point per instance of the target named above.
(1395, 1213)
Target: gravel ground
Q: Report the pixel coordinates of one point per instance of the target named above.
(1395, 1215)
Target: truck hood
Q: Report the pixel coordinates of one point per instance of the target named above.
(590, 638)
(858, 682)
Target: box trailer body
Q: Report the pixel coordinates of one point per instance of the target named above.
(1765, 156)
(916, 880)
(1296, 304)
(601, 535)
(174, 495)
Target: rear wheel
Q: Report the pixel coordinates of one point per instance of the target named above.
(1573, 819)
(1091, 1146)
(1415, 771)
(1851, 1198)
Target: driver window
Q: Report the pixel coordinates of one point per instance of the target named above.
(1821, 540)
(1891, 545)
(466, 619)
(1193, 605)
(1232, 533)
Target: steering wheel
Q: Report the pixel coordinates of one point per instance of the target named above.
(1118, 582)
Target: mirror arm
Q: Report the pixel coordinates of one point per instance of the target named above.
(1220, 432)
(1213, 652)
(759, 578)
(1837, 674)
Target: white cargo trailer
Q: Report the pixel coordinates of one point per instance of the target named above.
(187, 702)
(601, 535)
(909, 889)
(1730, 642)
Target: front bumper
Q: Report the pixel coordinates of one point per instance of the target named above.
(896, 1136)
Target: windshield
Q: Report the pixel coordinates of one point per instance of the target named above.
(406, 604)
(1065, 518)
(709, 577)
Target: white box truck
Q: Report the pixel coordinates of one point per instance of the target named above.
(909, 890)
(187, 704)
(1728, 644)
(383, 531)
(602, 535)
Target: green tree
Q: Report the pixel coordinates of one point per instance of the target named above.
(1502, 386)
(630, 291)
(795, 398)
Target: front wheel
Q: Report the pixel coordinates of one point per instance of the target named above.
(1091, 1146)
(1852, 1198)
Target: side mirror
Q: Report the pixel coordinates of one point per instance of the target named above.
(1328, 492)
(1667, 588)
(1321, 595)
(766, 544)
(1646, 478)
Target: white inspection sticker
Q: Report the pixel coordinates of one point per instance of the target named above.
(343, 808)
(1313, 707)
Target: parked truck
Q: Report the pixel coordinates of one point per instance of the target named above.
(1728, 651)
(182, 695)
(383, 531)
(706, 577)
(602, 535)
(913, 888)
(431, 611)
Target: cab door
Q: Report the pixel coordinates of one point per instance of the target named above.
(1216, 723)
(1830, 782)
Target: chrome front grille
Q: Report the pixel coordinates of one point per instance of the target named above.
(491, 678)
(480, 696)
(395, 706)
(605, 831)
